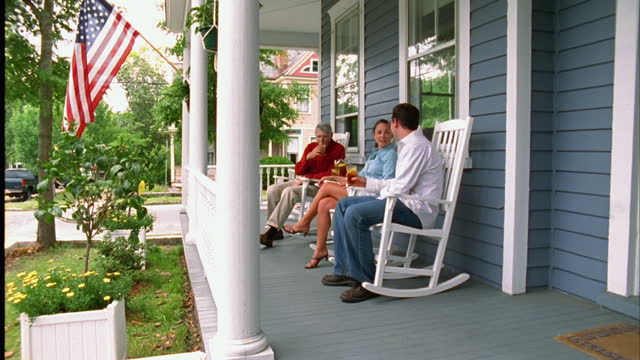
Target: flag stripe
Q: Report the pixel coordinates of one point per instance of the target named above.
(111, 74)
(103, 70)
(103, 42)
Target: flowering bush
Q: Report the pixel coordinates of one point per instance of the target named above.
(59, 290)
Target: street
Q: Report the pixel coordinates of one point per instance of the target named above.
(21, 226)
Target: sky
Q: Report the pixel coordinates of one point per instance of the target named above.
(143, 15)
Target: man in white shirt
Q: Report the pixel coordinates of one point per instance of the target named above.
(419, 171)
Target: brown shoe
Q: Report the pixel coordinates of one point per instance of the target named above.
(266, 240)
(338, 280)
(357, 294)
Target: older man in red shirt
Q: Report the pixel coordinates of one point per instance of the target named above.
(317, 161)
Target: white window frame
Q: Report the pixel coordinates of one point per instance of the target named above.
(336, 12)
(309, 68)
(462, 50)
(308, 102)
(461, 47)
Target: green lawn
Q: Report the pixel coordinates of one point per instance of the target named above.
(158, 319)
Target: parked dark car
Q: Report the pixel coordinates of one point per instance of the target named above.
(19, 182)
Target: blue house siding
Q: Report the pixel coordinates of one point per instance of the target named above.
(581, 146)
(542, 94)
(381, 66)
(325, 62)
(478, 230)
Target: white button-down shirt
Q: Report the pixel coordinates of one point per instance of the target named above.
(419, 171)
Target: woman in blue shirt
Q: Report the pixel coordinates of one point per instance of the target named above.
(381, 164)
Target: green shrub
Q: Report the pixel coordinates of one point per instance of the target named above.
(274, 160)
(120, 253)
(59, 290)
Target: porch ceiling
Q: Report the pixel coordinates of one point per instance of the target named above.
(283, 23)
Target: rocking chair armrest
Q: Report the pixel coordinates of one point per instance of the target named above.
(280, 177)
(430, 200)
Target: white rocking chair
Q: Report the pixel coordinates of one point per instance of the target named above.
(451, 138)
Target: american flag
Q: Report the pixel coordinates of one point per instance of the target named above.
(102, 44)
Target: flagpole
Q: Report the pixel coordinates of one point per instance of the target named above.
(159, 53)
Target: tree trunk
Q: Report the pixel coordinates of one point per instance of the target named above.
(87, 254)
(46, 231)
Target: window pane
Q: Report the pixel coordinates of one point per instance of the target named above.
(293, 145)
(446, 20)
(350, 125)
(347, 99)
(347, 41)
(423, 17)
(432, 86)
(314, 66)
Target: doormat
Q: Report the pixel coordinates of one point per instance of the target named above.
(618, 342)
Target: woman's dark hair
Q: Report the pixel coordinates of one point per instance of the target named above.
(381, 121)
(408, 115)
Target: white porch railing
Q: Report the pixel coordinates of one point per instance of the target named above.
(266, 175)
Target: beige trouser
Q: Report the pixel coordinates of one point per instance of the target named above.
(281, 198)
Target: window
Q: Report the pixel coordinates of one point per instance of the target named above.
(431, 67)
(210, 158)
(311, 68)
(293, 147)
(346, 18)
(303, 104)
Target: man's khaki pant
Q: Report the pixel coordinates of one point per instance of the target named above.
(281, 198)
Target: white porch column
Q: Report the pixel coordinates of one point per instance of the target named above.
(623, 274)
(186, 63)
(198, 102)
(237, 283)
(198, 116)
(517, 153)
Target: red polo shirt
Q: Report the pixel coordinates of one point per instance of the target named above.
(319, 166)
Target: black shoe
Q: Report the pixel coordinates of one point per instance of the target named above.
(277, 235)
(357, 294)
(338, 280)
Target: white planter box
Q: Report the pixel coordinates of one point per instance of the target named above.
(86, 335)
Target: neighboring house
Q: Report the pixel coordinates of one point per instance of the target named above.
(300, 67)
(552, 195)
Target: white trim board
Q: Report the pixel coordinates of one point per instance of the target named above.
(622, 264)
(335, 13)
(517, 149)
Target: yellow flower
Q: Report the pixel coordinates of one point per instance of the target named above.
(82, 285)
(65, 290)
(50, 261)
(47, 277)
(17, 301)
(106, 280)
(22, 274)
(51, 284)
(107, 298)
(70, 294)
(116, 273)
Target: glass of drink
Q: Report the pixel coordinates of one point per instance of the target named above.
(352, 171)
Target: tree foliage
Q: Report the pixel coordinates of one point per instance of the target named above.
(102, 183)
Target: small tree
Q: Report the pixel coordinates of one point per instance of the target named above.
(101, 184)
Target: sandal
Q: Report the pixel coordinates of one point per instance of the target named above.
(312, 265)
(289, 229)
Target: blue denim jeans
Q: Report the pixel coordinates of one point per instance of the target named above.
(353, 247)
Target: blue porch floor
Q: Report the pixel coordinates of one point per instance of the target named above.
(305, 320)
